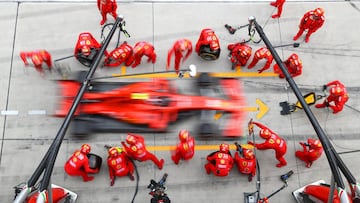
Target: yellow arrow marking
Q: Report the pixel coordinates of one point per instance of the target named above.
(197, 147)
(263, 109)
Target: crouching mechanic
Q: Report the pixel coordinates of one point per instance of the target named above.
(78, 164)
(239, 54)
(220, 162)
(312, 150)
(262, 53)
(293, 65)
(38, 58)
(137, 150)
(245, 161)
(119, 164)
(185, 149)
(337, 98)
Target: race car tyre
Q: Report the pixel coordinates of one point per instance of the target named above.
(205, 79)
(87, 60)
(207, 54)
(80, 127)
(207, 130)
(95, 161)
(80, 76)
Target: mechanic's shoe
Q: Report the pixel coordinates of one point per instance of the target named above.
(131, 176)
(207, 169)
(320, 105)
(296, 37)
(273, 3)
(89, 178)
(279, 165)
(250, 66)
(308, 165)
(174, 160)
(307, 39)
(161, 164)
(102, 22)
(250, 178)
(275, 16)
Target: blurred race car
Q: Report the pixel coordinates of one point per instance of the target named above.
(151, 106)
(208, 46)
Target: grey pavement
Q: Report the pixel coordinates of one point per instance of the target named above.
(28, 101)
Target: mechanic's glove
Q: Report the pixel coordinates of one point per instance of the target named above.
(251, 143)
(324, 87)
(112, 181)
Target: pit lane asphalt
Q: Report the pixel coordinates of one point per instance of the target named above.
(332, 53)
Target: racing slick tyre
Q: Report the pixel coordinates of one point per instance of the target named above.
(80, 76)
(95, 161)
(207, 130)
(163, 199)
(87, 60)
(207, 54)
(80, 127)
(205, 79)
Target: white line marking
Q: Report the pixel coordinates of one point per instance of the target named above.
(9, 112)
(37, 112)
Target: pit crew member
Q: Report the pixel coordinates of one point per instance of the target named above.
(279, 5)
(272, 141)
(310, 22)
(245, 161)
(119, 164)
(38, 58)
(293, 65)
(137, 150)
(262, 53)
(312, 150)
(122, 54)
(180, 47)
(185, 149)
(78, 164)
(143, 49)
(337, 98)
(107, 7)
(220, 162)
(240, 53)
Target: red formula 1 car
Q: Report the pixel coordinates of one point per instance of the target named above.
(208, 46)
(152, 106)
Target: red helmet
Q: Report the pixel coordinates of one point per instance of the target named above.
(248, 154)
(44, 55)
(264, 133)
(294, 56)
(314, 144)
(337, 90)
(85, 148)
(319, 12)
(224, 148)
(113, 152)
(130, 139)
(183, 135)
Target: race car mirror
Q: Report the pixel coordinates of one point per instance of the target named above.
(192, 70)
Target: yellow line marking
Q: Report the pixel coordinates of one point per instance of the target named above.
(123, 70)
(197, 147)
(235, 74)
